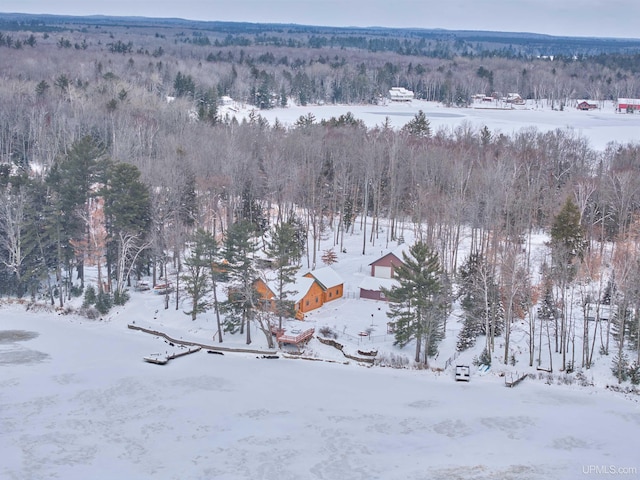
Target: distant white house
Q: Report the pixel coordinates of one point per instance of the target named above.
(400, 94)
(514, 98)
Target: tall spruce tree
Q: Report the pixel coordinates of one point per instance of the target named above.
(239, 252)
(76, 176)
(197, 265)
(127, 209)
(567, 250)
(213, 256)
(419, 126)
(415, 304)
(480, 300)
(284, 251)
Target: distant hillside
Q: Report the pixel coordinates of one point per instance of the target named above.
(409, 41)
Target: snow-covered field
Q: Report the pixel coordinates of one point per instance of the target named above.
(599, 126)
(77, 401)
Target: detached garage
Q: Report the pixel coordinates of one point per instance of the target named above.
(383, 267)
(371, 287)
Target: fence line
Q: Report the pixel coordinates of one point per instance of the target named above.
(450, 360)
(360, 339)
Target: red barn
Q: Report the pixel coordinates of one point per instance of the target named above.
(629, 105)
(586, 105)
(382, 276)
(384, 266)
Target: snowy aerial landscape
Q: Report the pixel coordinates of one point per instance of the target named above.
(163, 129)
(130, 144)
(78, 401)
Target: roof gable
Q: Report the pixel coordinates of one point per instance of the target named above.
(327, 277)
(300, 287)
(389, 256)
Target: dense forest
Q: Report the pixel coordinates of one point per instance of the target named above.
(85, 127)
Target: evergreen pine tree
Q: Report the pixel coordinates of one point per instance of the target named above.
(216, 271)
(251, 211)
(634, 373)
(127, 209)
(620, 366)
(73, 178)
(284, 251)
(419, 126)
(196, 279)
(567, 240)
(415, 305)
(240, 249)
(480, 300)
(89, 296)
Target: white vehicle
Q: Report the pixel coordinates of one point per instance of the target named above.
(463, 373)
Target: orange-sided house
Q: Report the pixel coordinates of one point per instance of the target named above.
(331, 283)
(307, 295)
(267, 295)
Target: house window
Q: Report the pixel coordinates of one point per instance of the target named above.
(307, 304)
(317, 300)
(337, 291)
(330, 294)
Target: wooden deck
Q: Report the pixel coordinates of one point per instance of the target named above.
(297, 340)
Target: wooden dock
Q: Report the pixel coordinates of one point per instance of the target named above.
(160, 359)
(512, 383)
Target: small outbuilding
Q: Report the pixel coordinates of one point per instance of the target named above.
(372, 287)
(629, 105)
(384, 267)
(586, 105)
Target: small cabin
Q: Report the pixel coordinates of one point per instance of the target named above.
(586, 105)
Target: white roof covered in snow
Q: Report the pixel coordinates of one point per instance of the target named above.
(327, 277)
(376, 284)
(301, 286)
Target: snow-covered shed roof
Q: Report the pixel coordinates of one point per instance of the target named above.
(376, 284)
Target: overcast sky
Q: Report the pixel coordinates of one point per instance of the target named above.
(602, 18)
